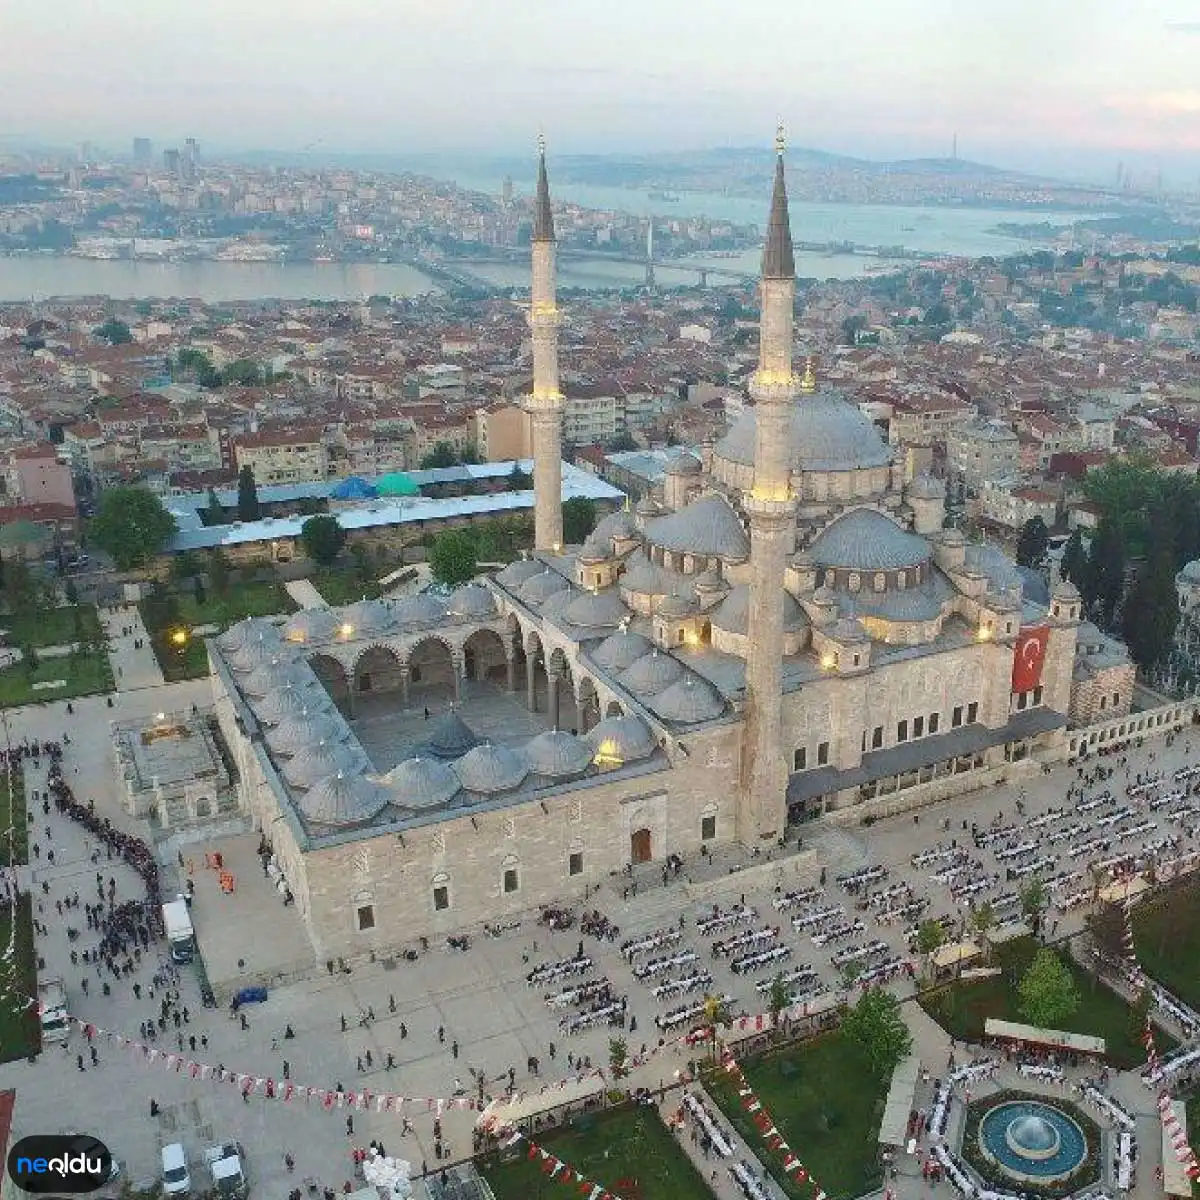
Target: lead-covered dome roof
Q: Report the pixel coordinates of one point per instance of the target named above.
(733, 613)
(343, 798)
(308, 727)
(651, 674)
(1002, 574)
(621, 740)
(516, 573)
(490, 768)
(471, 600)
(237, 635)
(261, 645)
(683, 462)
(311, 625)
(540, 587)
(620, 650)
(420, 783)
(556, 754)
(707, 526)
(866, 540)
(418, 610)
(688, 701)
(364, 618)
(290, 700)
(271, 676)
(596, 610)
(828, 434)
(449, 736)
(319, 761)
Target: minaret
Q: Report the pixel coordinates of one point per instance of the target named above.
(771, 508)
(545, 403)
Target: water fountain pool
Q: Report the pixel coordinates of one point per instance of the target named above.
(1032, 1141)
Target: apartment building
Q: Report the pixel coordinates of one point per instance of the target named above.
(1012, 502)
(982, 450)
(34, 475)
(926, 420)
(457, 429)
(591, 413)
(283, 455)
(502, 432)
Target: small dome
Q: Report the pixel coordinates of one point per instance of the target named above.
(926, 487)
(824, 596)
(849, 629)
(596, 610)
(595, 550)
(710, 581)
(688, 701)
(733, 613)
(516, 573)
(271, 676)
(290, 700)
(707, 526)
(449, 736)
(236, 636)
(674, 607)
(620, 650)
(555, 754)
(953, 538)
(1066, 590)
(866, 540)
(364, 618)
(619, 525)
(647, 578)
(1002, 574)
(1089, 636)
(651, 674)
(320, 760)
(541, 586)
(419, 610)
(343, 799)
(683, 462)
(306, 728)
(311, 625)
(262, 645)
(647, 506)
(471, 600)
(617, 740)
(420, 783)
(489, 768)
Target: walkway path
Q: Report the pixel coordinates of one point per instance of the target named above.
(132, 668)
(305, 594)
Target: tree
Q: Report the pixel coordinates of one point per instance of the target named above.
(248, 507)
(983, 920)
(114, 332)
(243, 371)
(852, 326)
(930, 936)
(131, 525)
(1047, 990)
(1152, 610)
(1033, 897)
(452, 557)
(1075, 561)
(214, 514)
(779, 996)
(518, 480)
(322, 538)
(622, 441)
(1107, 558)
(579, 519)
(618, 1057)
(876, 1025)
(442, 455)
(218, 572)
(1033, 543)
(71, 592)
(716, 1014)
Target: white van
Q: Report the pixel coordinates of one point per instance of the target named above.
(176, 1180)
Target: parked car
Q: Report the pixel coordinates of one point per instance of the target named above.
(176, 1180)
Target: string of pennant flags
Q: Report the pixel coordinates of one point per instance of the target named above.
(554, 1167)
(1183, 1151)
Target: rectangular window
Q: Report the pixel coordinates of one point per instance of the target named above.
(1103, 703)
(366, 917)
(956, 717)
(822, 754)
(1116, 699)
(934, 721)
(1037, 694)
(800, 759)
(972, 712)
(1022, 701)
(877, 737)
(708, 828)
(902, 731)
(918, 727)
(441, 898)
(511, 880)
(575, 864)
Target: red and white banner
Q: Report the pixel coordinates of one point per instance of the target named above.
(1029, 656)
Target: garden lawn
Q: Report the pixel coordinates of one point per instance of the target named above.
(50, 627)
(961, 1008)
(85, 675)
(20, 1031)
(13, 851)
(827, 1103)
(1167, 936)
(631, 1153)
(343, 585)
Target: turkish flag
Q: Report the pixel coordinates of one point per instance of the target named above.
(1028, 657)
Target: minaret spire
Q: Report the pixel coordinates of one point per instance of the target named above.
(771, 507)
(544, 404)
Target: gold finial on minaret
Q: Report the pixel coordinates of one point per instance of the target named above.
(809, 382)
(780, 139)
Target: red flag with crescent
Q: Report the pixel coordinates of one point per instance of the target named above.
(1029, 655)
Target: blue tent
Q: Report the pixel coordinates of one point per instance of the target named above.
(353, 488)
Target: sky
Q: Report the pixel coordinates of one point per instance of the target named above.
(1069, 87)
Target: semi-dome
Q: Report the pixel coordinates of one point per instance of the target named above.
(472, 600)
(490, 768)
(595, 550)
(828, 433)
(683, 462)
(596, 610)
(421, 783)
(541, 586)
(617, 740)
(418, 610)
(306, 728)
(866, 540)
(343, 798)
(365, 618)
(620, 650)
(651, 674)
(516, 573)
(449, 736)
(647, 507)
(641, 575)
(1002, 574)
(556, 754)
(707, 526)
(1066, 590)
(688, 701)
(311, 625)
(262, 645)
(271, 676)
(290, 700)
(711, 581)
(733, 613)
(952, 537)
(1089, 636)
(319, 761)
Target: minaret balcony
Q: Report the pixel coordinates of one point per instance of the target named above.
(769, 504)
(543, 402)
(777, 386)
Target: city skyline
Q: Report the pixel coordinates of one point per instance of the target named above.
(1071, 89)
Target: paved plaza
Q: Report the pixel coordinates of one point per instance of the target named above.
(489, 1018)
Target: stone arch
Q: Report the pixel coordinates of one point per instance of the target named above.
(587, 703)
(485, 656)
(433, 673)
(333, 678)
(378, 669)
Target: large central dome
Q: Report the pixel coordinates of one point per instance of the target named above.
(828, 434)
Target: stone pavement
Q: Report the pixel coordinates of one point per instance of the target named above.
(305, 594)
(133, 669)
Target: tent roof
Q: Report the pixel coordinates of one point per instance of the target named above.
(1059, 1038)
(396, 484)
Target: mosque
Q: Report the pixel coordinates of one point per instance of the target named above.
(786, 634)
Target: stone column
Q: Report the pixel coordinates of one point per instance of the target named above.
(405, 684)
(531, 681)
(553, 678)
(457, 667)
(510, 672)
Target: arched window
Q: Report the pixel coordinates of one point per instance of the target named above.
(855, 581)
(880, 581)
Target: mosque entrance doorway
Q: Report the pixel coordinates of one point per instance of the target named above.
(640, 849)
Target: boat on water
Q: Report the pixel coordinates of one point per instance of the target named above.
(666, 197)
